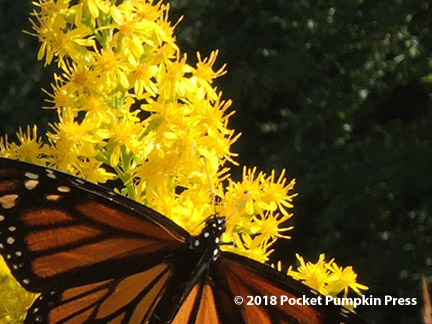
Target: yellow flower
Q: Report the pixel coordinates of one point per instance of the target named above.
(204, 68)
(315, 275)
(94, 171)
(327, 277)
(125, 133)
(342, 279)
(61, 97)
(57, 42)
(29, 147)
(204, 73)
(97, 108)
(275, 194)
(77, 80)
(270, 225)
(111, 70)
(132, 33)
(13, 298)
(143, 80)
(96, 6)
(173, 80)
(249, 246)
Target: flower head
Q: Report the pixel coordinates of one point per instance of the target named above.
(327, 277)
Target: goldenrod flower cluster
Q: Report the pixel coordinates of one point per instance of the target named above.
(131, 108)
(327, 277)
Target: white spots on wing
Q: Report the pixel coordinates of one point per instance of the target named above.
(196, 243)
(313, 291)
(32, 176)
(26, 281)
(12, 228)
(81, 182)
(53, 197)
(206, 234)
(8, 201)
(51, 175)
(217, 240)
(8, 256)
(1, 246)
(63, 189)
(112, 193)
(18, 253)
(10, 240)
(215, 254)
(2, 218)
(15, 267)
(31, 184)
(35, 310)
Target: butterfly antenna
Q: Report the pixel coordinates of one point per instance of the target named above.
(241, 205)
(212, 192)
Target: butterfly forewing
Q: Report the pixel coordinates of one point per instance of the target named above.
(60, 231)
(100, 258)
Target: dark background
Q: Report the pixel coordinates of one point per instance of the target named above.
(336, 92)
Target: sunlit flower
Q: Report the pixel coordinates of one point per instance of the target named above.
(97, 6)
(112, 70)
(29, 147)
(341, 279)
(57, 40)
(12, 297)
(327, 277)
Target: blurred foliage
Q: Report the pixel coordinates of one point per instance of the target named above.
(21, 75)
(338, 92)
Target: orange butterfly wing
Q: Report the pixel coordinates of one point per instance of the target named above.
(59, 231)
(199, 307)
(124, 300)
(239, 276)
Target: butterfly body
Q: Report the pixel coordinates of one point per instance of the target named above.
(202, 251)
(97, 257)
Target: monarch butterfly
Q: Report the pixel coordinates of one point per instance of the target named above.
(98, 257)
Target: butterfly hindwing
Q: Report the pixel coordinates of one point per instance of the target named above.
(125, 300)
(236, 276)
(60, 231)
(199, 306)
